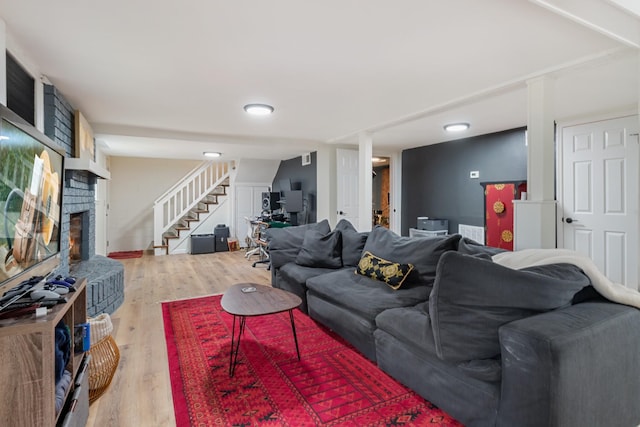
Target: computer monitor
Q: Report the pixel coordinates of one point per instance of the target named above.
(293, 201)
(285, 185)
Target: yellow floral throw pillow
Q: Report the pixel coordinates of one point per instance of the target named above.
(392, 273)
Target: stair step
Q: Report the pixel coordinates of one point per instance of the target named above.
(182, 227)
(171, 236)
(188, 220)
(201, 211)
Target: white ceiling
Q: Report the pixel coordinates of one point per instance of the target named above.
(169, 79)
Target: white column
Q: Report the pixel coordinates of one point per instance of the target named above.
(326, 196)
(540, 135)
(535, 219)
(365, 181)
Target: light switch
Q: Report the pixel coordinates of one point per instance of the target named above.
(474, 174)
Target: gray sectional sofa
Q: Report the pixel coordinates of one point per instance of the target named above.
(490, 345)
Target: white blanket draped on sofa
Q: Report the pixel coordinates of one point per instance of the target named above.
(531, 257)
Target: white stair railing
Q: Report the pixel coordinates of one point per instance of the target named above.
(185, 195)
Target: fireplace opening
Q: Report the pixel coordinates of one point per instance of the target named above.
(78, 237)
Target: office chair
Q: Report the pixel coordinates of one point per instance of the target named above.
(252, 237)
(253, 234)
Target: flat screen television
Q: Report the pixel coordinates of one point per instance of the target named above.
(31, 182)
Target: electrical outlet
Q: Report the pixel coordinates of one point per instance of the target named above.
(474, 174)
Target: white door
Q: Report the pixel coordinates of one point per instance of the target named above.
(248, 204)
(347, 183)
(600, 195)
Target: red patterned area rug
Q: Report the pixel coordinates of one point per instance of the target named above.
(332, 384)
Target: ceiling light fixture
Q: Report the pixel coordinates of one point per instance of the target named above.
(258, 109)
(212, 154)
(456, 127)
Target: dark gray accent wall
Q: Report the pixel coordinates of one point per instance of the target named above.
(302, 178)
(436, 183)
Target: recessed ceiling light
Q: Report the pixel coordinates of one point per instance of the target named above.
(258, 109)
(212, 154)
(456, 127)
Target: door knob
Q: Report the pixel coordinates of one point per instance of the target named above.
(341, 213)
(570, 220)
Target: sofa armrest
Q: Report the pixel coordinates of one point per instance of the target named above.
(574, 366)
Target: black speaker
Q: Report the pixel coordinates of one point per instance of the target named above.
(270, 201)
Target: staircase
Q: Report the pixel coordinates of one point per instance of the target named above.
(193, 199)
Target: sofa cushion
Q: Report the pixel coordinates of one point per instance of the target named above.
(423, 253)
(410, 325)
(473, 297)
(293, 278)
(361, 295)
(391, 273)
(471, 247)
(352, 242)
(489, 370)
(285, 243)
(322, 250)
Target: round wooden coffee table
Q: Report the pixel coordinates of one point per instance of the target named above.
(251, 299)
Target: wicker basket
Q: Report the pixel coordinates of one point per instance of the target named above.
(105, 357)
(101, 326)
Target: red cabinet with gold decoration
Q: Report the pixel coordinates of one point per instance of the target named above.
(498, 212)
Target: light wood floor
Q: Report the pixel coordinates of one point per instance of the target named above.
(140, 393)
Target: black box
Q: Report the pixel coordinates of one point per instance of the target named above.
(221, 230)
(203, 243)
(222, 244)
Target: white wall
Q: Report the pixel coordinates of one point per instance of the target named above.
(255, 170)
(134, 186)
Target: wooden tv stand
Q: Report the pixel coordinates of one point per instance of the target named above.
(27, 367)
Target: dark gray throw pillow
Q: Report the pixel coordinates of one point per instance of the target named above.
(423, 253)
(285, 243)
(321, 250)
(472, 297)
(352, 243)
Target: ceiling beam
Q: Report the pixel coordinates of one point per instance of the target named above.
(103, 130)
(602, 16)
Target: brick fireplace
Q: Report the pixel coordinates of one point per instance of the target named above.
(105, 276)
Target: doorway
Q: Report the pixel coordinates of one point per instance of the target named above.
(599, 195)
(381, 191)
